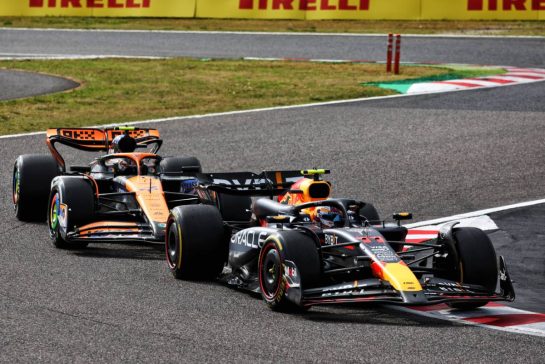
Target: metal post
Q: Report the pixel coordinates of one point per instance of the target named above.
(397, 54)
(389, 53)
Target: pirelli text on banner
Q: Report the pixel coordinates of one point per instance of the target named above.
(112, 4)
(307, 5)
(506, 5)
(283, 9)
(99, 8)
(373, 9)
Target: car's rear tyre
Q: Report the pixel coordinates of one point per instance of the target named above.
(477, 263)
(71, 204)
(235, 208)
(32, 176)
(196, 242)
(295, 247)
(370, 213)
(189, 165)
(186, 166)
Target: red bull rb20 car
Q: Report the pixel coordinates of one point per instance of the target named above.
(310, 249)
(121, 196)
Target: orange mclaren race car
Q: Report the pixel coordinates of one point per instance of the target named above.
(309, 249)
(122, 196)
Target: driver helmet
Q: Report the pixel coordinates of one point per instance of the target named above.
(189, 185)
(124, 167)
(329, 217)
(123, 144)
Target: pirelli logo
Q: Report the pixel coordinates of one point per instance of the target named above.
(307, 5)
(108, 4)
(506, 5)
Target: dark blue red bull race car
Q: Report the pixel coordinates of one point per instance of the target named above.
(286, 239)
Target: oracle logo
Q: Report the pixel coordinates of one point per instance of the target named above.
(111, 4)
(507, 5)
(304, 4)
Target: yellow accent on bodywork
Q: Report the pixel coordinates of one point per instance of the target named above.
(311, 172)
(401, 277)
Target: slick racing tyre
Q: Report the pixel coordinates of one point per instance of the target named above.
(370, 213)
(288, 263)
(196, 242)
(178, 166)
(235, 208)
(32, 175)
(477, 263)
(71, 204)
(189, 165)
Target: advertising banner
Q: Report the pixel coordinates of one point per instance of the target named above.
(366, 9)
(309, 9)
(482, 9)
(252, 9)
(116, 8)
(284, 9)
(373, 9)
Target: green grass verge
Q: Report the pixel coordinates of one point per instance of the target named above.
(116, 91)
(533, 28)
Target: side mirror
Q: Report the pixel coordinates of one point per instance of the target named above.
(400, 216)
(279, 220)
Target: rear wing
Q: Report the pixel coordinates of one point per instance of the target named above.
(97, 140)
(267, 183)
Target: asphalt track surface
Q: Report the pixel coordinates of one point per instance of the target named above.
(497, 51)
(18, 84)
(436, 155)
(520, 238)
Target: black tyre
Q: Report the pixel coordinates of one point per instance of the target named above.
(32, 176)
(235, 208)
(295, 247)
(71, 204)
(189, 165)
(477, 263)
(196, 242)
(370, 213)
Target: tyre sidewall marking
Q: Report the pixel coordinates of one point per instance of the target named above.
(16, 184)
(179, 262)
(273, 243)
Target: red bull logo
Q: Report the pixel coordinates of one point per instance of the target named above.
(108, 4)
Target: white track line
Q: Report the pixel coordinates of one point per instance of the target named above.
(274, 108)
(270, 33)
(236, 112)
(475, 213)
(42, 56)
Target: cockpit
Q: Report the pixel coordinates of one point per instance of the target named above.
(134, 164)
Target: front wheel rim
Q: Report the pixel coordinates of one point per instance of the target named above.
(270, 272)
(54, 212)
(173, 246)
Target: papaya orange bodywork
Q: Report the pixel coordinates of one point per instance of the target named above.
(149, 194)
(105, 226)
